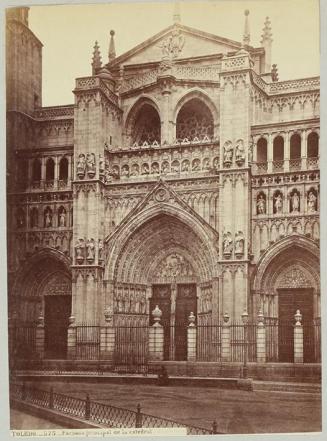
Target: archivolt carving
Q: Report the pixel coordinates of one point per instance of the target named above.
(294, 277)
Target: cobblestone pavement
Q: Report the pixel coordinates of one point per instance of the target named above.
(234, 411)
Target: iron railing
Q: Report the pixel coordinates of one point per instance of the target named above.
(100, 413)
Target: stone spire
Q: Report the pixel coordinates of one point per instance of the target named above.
(266, 42)
(177, 13)
(112, 50)
(246, 35)
(96, 59)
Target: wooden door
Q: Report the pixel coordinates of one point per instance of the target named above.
(56, 321)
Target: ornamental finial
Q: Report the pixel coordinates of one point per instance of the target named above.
(246, 35)
(112, 50)
(96, 58)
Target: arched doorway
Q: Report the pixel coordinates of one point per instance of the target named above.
(287, 280)
(42, 296)
(163, 262)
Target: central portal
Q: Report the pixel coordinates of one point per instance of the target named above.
(176, 303)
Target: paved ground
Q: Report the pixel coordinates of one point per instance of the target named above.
(234, 411)
(20, 420)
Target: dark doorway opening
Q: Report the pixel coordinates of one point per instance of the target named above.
(56, 320)
(289, 301)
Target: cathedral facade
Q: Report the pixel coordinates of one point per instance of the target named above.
(184, 179)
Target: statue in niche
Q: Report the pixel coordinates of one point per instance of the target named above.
(62, 218)
(90, 164)
(227, 244)
(20, 219)
(135, 170)
(100, 250)
(185, 166)
(239, 244)
(126, 300)
(278, 203)
(79, 250)
(216, 164)
(125, 171)
(239, 152)
(101, 165)
(142, 303)
(312, 202)
(90, 247)
(295, 202)
(165, 167)
(48, 219)
(206, 164)
(261, 205)
(196, 165)
(145, 169)
(115, 172)
(81, 166)
(175, 167)
(155, 168)
(228, 153)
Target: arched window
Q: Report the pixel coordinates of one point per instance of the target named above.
(278, 149)
(34, 217)
(295, 146)
(194, 121)
(262, 151)
(63, 169)
(147, 126)
(49, 170)
(36, 170)
(313, 145)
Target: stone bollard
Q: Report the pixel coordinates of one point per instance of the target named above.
(71, 339)
(225, 339)
(107, 336)
(298, 338)
(191, 338)
(156, 337)
(261, 339)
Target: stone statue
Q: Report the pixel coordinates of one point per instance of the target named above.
(295, 202)
(175, 167)
(90, 247)
(206, 164)
(48, 219)
(135, 170)
(227, 244)
(185, 166)
(155, 168)
(196, 165)
(90, 164)
(101, 165)
(278, 203)
(79, 250)
(261, 205)
(228, 152)
(312, 202)
(81, 166)
(239, 244)
(62, 219)
(145, 169)
(239, 152)
(216, 163)
(165, 167)
(125, 171)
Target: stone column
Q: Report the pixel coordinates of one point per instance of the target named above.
(71, 339)
(56, 173)
(191, 339)
(298, 338)
(303, 150)
(270, 153)
(225, 339)
(39, 337)
(261, 339)
(107, 337)
(287, 153)
(156, 337)
(43, 169)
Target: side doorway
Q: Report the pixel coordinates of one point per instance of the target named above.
(57, 310)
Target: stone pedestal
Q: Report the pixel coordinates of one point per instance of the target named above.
(107, 342)
(191, 343)
(156, 342)
(71, 342)
(261, 340)
(39, 341)
(225, 342)
(298, 343)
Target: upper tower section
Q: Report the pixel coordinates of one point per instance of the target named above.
(23, 63)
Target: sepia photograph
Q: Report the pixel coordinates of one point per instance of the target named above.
(163, 218)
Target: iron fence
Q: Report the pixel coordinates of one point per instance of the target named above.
(103, 414)
(243, 338)
(87, 342)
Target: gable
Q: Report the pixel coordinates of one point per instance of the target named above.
(176, 42)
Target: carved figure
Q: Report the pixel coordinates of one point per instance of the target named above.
(165, 167)
(239, 152)
(62, 219)
(206, 164)
(135, 170)
(48, 219)
(79, 250)
(125, 171)
(239, 244)
(90, 247)
(81, 166)
(278, 203)
(295, 202)
(185, 166)
(228, 152)
(261, 205)
(101, 165)
(196, 165)
(312, 202)
(90, 164)
(216, 163)
(155, 168)
(145, 169)
(227, 244)
(175, 167)
(100, 250)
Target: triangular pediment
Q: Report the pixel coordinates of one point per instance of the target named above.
(176, 42)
